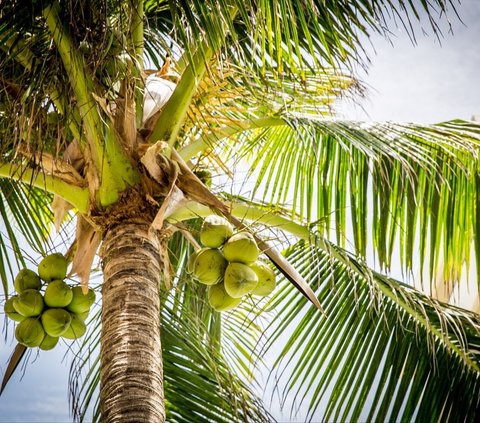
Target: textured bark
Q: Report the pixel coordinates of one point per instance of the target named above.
(131, 378)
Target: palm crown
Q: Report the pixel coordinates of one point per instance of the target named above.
(250, 84)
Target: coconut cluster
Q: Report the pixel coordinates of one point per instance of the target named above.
(229, 264)
(46, 307)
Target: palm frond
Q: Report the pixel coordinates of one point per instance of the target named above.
(25, 217)
(228, 93)
(382, 351)
(27, 114)
(34, 83)
(379, 352)
(330, 172)
(288, 36)
(259, 32)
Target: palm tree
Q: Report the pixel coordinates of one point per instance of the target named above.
(251, 84)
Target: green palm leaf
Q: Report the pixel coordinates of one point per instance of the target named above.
(287, 36)
(382, 351)
(327, 172)
(25, 217)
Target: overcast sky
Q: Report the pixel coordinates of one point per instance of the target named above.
(427, 83)
(431, 82)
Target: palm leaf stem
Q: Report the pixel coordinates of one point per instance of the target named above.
(477, 222)
(77, 196)
(241, 211)
(173, 114)
(137, 31)
(80, 79)
(111, 165)
(170, 121)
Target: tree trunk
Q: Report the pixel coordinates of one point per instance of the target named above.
(131, 378)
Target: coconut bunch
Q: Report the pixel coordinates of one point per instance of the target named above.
(46, 307)
(229, 264)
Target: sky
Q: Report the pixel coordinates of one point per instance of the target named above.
(434, 81)
(430, 82)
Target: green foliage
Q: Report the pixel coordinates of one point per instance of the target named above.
(328, 170)
(381, 351)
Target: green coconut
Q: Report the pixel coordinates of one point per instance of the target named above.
(49, 342)
(209, 266)
(215, 231)
(240, 279)
(220, 300)
(191, 261)
(76, 329)
(58, 294)
(29, 303)
(56, 321)
(241, 248)
(81, 302)
(53, 267)
(27, 279)
(266, 278)
(83, 315)
(10, 310)
(30, 332)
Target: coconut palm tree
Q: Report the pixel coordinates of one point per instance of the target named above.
(132, 121)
